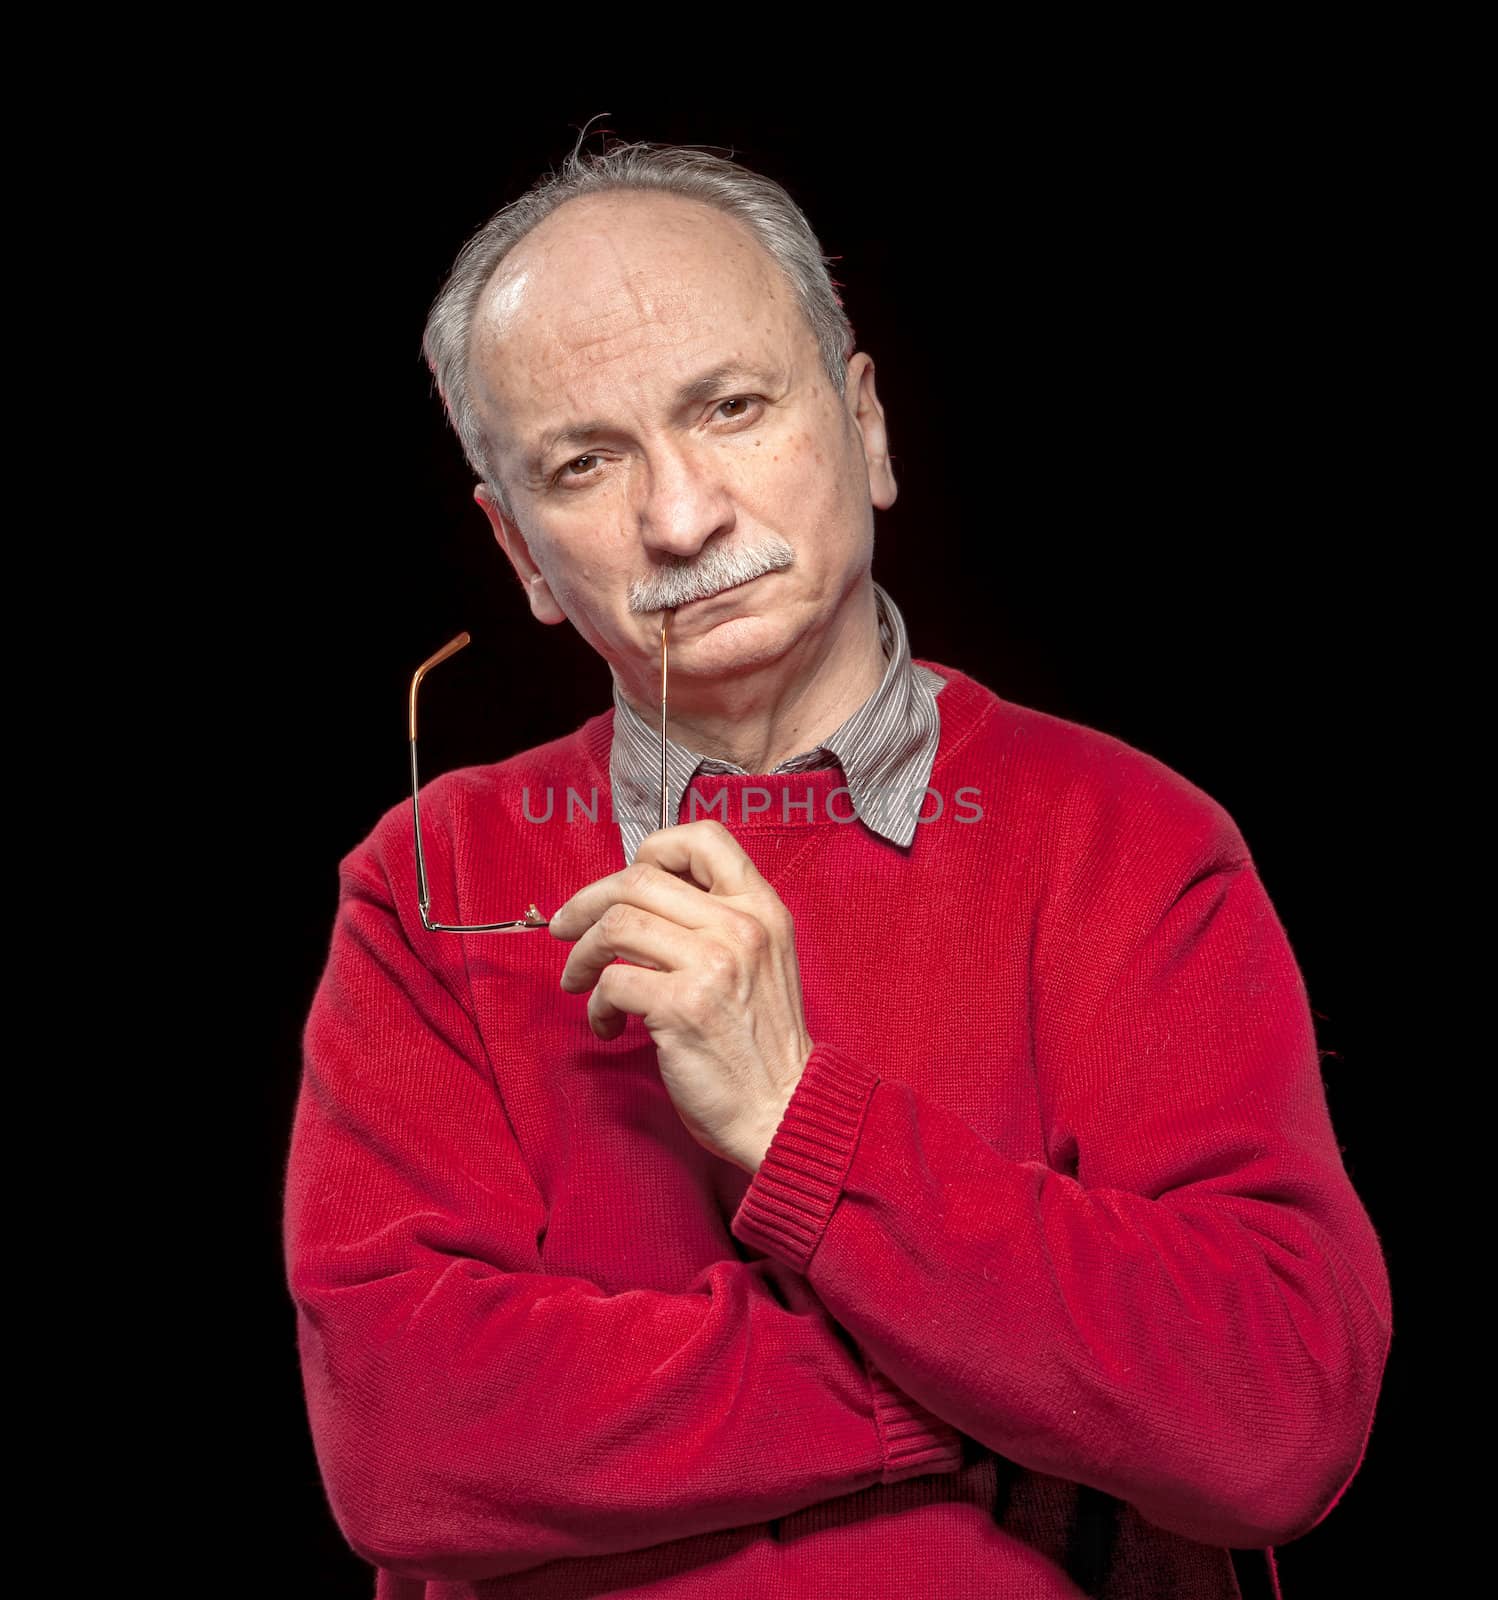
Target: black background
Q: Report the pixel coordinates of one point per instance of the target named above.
(1135, 414)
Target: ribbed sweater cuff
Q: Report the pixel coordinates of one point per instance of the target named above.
(916, 1441)
(790, 1200)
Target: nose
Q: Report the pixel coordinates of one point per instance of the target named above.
(685, 500)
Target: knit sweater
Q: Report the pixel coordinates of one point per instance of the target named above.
(1051, 1283)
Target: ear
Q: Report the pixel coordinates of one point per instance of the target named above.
(543, 603)
(868, 417)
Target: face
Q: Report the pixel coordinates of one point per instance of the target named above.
(659, 414)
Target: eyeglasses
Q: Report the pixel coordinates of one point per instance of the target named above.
(532, 917)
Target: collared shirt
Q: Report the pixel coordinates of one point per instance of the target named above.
(885, 749)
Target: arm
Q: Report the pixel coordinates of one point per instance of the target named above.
(473, 1414)
(1186, 1306)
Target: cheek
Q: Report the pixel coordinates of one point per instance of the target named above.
(802, 473)
(580, 566)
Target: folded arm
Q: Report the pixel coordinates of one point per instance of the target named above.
(473, 1414)
(1186, 1305)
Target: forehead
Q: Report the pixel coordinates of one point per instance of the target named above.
(612, 292)
(602, 257)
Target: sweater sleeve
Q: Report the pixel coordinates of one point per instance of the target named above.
(1186, 1305)
(474, 1415)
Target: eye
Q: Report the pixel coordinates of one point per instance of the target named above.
(737, 400)
(564, 472)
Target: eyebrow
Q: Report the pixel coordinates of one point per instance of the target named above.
(701, 388)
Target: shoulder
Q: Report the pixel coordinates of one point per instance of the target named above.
(1082, 786)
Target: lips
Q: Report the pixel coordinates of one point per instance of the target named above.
(703, 599)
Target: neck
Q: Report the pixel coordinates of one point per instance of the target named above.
(762, 717)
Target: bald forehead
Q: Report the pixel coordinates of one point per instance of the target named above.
(613, 245)
(643, 212)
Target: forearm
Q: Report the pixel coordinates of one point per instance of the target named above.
(1211, 1358)
(472, 1423)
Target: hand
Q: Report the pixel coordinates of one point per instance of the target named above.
(715, 981)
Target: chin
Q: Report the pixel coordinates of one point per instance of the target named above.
(737, 644)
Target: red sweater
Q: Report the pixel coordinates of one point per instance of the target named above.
(1051, 1283)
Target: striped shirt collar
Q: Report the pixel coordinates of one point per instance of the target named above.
(885, 749)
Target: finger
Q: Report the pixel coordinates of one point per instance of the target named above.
(636, 935)
(709, 852)
(643, 884)
(621, 992)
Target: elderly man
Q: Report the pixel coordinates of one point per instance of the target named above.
(906, 1171)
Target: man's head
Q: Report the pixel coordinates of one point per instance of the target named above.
(651, 373)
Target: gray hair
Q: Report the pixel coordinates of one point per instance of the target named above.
(760, 203)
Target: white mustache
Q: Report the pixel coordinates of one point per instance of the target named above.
(713, 571)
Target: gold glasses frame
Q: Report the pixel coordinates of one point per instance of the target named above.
(532, 918)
